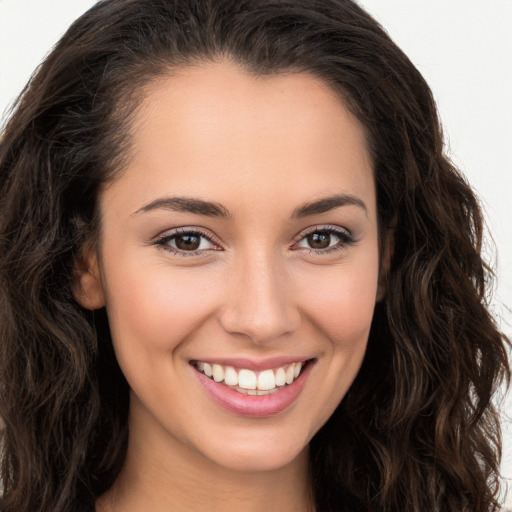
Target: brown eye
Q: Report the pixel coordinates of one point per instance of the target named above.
(189, 242)
(326, 240)
(319, 240)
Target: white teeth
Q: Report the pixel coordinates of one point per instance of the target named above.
(289, 374)
(266, 380)
(254, 392)
(207, 369)
(247, 379)
(218, 373)
(249, 382)
(230, 376)
(280, 377)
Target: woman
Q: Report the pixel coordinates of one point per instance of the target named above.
(238, 271)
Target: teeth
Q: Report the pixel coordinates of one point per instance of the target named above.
(247, 379)
(290, 372)
(254, 392)
(250, 382)
(218, 373)
(230, 376)
(280, 377)
(207, 369)
(266, 380)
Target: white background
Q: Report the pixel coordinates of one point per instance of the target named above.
(462, 47)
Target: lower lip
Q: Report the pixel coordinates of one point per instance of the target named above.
(254, 406)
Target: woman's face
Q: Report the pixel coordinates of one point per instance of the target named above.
(241, 240)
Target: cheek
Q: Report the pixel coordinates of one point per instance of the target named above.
(157, 307)
(342, 302)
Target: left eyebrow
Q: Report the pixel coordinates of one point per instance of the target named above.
(326, 204)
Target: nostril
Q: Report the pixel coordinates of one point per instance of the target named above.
(260, 326)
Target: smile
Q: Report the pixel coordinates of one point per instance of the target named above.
(264, 389)
(251, 382)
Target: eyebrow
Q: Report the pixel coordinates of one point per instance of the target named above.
(187, 205)
(326, 204)
(212, 209)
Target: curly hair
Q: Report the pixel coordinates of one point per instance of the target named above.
(416, 431)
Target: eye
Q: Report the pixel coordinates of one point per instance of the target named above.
(325, 240)
(186, 242)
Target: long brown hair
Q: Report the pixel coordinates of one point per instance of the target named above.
(417, 430)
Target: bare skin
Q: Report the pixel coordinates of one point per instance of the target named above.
(185, 482)
(264, 276)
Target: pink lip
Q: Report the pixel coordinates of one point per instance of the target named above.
(255, 365)
(250, 405)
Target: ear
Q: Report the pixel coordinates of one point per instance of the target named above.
(389, 247)
(87, 284)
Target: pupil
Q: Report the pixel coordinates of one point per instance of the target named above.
(319, 240)
(187, 242)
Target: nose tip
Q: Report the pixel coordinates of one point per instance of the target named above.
(260, 307)
(259, 327)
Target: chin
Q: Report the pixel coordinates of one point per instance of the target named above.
(264, 454)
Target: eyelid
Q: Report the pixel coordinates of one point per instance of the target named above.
(164, 237)
(344, 234)
(324, 227)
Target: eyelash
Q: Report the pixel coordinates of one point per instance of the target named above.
(163, 241)
(344, 236)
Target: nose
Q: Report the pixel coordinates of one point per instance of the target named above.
(259, 302)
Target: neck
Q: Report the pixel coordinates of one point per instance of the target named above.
(174, 478)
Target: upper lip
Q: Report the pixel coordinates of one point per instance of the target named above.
(254, 364)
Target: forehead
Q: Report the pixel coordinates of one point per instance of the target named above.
(216, 129)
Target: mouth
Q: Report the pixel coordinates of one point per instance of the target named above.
(248, 392)
(250, 382)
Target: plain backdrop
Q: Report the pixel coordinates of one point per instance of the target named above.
(462, 47)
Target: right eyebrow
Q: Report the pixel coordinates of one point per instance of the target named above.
(187, 205)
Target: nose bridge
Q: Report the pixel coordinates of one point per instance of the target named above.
(259, 303)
